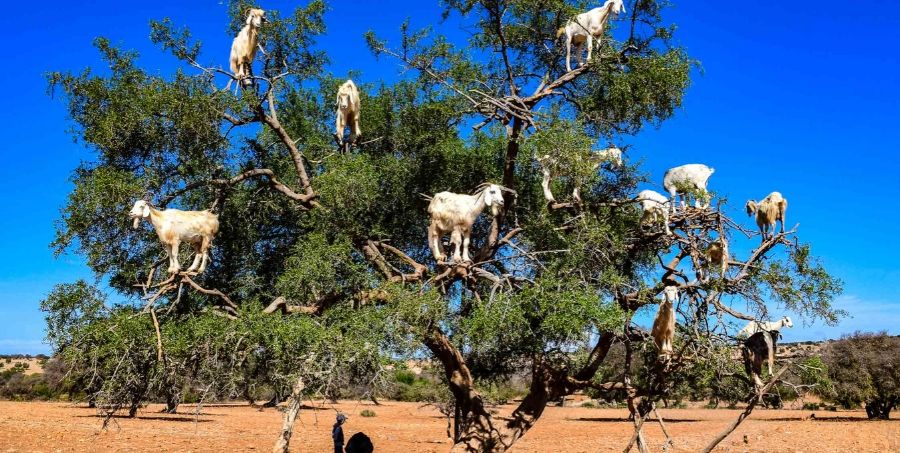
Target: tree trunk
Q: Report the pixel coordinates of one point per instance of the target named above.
(171, 403)
(475, 430)
(879, 409)
(290, 415)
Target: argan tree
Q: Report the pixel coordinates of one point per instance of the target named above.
(865, 369)
(321, 270)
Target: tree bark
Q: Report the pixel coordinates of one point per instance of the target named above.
(475, 430)
(290, 415)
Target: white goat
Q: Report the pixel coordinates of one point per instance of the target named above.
(348, 109)
(663, 331)
(243, 48)
(174, 226)
(760, 339)
(653, 205)
(764, 326)
(612, 155)
(768, 211)
(690, 177)
(455, 214)
(585, 27)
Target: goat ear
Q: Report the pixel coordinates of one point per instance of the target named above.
(146, 212)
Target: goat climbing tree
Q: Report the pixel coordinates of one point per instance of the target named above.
(321, 268)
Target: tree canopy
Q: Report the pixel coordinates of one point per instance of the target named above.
(321, 273)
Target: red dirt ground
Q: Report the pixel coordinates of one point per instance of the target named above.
(409, 428)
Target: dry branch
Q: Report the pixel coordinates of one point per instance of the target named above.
(747, 411)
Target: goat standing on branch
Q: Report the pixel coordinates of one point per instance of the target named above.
(653, 205)
(717, 255)
(686, 179)
(550, 167)
(348, 109)
(663, 331)
(760, 343)
(585, 27)
(768, 211)
(243, 48)
(455, 214)
(612, 155)
(174, 226)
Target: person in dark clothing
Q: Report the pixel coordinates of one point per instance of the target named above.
(360, 443)
(337, 433)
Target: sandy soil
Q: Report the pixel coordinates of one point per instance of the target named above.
(409, 428)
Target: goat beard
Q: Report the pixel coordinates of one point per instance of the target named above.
(136, 222)
(495, 210)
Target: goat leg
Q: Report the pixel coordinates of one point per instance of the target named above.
(174, 267)
(456, 239)
(590, 46)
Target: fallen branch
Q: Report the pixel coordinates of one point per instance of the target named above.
(747, 411)
(290, 415)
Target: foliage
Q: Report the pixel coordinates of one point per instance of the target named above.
(865, 369)
(338, 239)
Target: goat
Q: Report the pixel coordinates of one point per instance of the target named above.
(760, 338)
(243, 48)
(455, 214)
(612, 155)
(653, 205)
(717, 255)
(546, 162)
(348, 109)
(756, 350)
(768, 211)
(663, 331)
(690, 177)
(174, 226)
(764, 326)
(586, 27)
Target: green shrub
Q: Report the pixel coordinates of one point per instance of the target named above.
(811, 406)
(367, 413)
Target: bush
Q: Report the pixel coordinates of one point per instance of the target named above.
(410, 387)
(865, 369)
(367, 413)
(811, 406)
(588, 404)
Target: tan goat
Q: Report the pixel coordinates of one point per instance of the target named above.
(174, 226)
(243, 48)
(768, 211)
(717, 255)
(663, 331)
(348, 109)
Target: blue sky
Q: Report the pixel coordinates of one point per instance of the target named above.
(800, 97)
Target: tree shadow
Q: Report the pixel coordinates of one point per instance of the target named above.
(626, 420)
(160, 417)
(824, 419)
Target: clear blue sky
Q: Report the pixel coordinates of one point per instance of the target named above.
(807, 90)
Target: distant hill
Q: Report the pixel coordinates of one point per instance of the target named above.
(34, 364)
